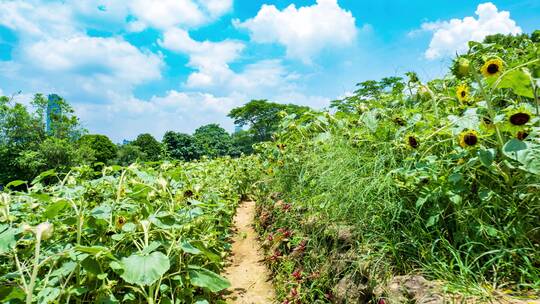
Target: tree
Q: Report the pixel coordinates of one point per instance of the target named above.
(263, 117)
(180, 146)
(104, 149)
(243, 142)
(128, 154)
(25, 147)
(149, 146)
(213, 141)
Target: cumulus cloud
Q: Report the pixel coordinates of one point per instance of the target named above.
(452, 36)
(216, 8)
(54, 52)
(211, 61)
(34, 20)
(303, 31)
(165, 14)
(95, 57)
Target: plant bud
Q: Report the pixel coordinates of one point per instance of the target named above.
(26, 228)
(45, 230)
(145, 224)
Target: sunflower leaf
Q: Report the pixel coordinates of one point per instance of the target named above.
(519, 81)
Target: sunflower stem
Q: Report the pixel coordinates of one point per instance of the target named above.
(490, 109)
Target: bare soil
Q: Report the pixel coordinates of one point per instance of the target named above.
(247, 273)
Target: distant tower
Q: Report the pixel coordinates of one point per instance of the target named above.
(53, 109)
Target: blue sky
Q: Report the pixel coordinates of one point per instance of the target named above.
(137, 66)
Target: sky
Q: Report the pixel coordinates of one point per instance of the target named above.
(149, 66)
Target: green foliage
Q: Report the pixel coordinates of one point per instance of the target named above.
(243, 141)
(25, 148)
(180, 146)
(411, 178)
(263, 117)
(213, 141)
(104, 150)
(128, 154)
(151, 148)
(138, 234)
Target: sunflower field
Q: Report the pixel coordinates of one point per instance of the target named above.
(410, 184)
(155, 233)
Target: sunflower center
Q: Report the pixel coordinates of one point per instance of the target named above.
(413, 142)
(520, 119)
(470, 139)
(493, 68)
(463, 94)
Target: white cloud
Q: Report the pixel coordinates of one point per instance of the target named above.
(216, 8)
(125, 118)
(165, 14)
(111, 59)
(54, 53)
(452, 36)
(211, 61)
(33, 19)
(303, 31)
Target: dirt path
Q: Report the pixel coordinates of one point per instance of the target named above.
(247, 274)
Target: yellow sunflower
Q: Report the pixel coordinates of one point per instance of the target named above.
(468, 138)
(463, 93)
(519, 117)
(492, 67)
(412, 141)
(120, 222)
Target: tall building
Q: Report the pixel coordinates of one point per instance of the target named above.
(53, 109)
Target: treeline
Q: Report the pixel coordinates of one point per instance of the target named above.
(28, 147)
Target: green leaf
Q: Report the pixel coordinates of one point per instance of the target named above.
(8, 293)
(102, 212)
(91, 265)
(188, 248)
(432, 220)
(129, 227)
(487, 157)
(513, 146)
(16, 183)
(55, 208)
(519, 81)
(145, 269)
(44, 175)
(7, 238)
(205, 278)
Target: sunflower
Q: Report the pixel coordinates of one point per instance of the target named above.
(492, 67)
(120, 222)
(188, 193)
(519, 117)
(521, 135)
(412, 141)
(399, 121)
(468, 138)
(463, 93)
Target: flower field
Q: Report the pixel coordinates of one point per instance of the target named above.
(140, 234)
(438, 180)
